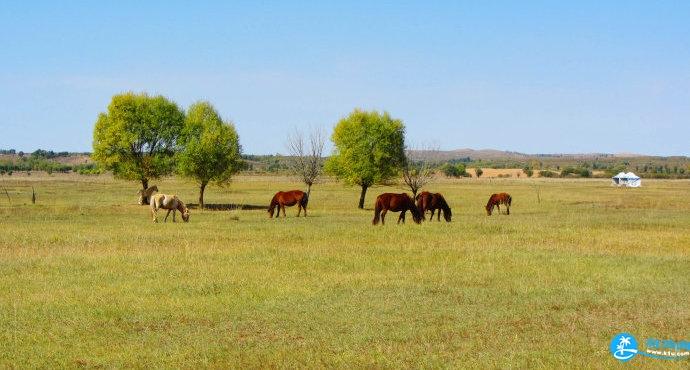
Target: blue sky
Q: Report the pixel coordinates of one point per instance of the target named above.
(534, 77)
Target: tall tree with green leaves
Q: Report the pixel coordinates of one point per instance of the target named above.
(211, 150)
(369, 149)
(136, 138)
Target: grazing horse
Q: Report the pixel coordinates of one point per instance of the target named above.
(431, 202)
(145, 195)
(496, 200)
(288, 198)
(395, 203)
(169, 202)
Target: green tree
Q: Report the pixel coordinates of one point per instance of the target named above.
(136, 138)
(210, 148)
(479, 172)
(369, 149)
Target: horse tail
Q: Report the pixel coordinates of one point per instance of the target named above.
(420, 205)
(152, 203)
(305, 200)
(416, 214)
(508, 201)
(272, 206)
(377, 212)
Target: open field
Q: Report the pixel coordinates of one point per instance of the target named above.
(87, 280)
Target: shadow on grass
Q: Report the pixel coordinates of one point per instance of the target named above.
(227, 207)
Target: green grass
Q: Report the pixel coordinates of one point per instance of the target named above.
(86, 279)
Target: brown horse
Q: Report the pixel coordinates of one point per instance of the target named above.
(496, 200)
(395, 203)
(431, 202)
(288, 198)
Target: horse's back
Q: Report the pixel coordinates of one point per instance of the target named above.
(165, 201)
(504, 198)
(394, 201)
(290, 197)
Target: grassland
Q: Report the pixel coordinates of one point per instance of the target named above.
(87, 280)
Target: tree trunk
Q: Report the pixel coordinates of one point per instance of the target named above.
(201, 194)
(362, 195)
(145, 185)
(308, 190)
(414, 194)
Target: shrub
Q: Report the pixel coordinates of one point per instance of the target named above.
(572, 171)
(528, 171)
(457, 170)
(546, 173)
(479, 172)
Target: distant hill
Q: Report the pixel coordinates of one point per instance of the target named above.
(493, 154)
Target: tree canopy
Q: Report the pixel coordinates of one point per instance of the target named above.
(369, 149)
(136, 138)
(210, 147)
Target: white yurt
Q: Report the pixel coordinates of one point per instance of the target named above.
(626, 179)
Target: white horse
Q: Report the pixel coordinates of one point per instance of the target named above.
(169, 202)
(145, 195)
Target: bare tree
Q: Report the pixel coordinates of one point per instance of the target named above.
(307, 161)
(418, 168)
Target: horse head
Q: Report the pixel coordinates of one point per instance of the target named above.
(183, 210)
(447, 214)
(417, 216)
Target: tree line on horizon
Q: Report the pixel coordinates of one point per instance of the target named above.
(141, 138)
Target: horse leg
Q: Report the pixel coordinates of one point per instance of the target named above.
(155, 214)
(282, 206)
(401, 217)
(498, 207)
(432, 215)
(174, 213)
(383, 216)
(438, 216)
(507, 209)
(299, 209)
(166, 216)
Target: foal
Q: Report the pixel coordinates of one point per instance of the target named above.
(169, 202)
(496, 200)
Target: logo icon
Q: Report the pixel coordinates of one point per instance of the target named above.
(623, 347)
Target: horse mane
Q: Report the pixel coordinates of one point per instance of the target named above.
(181, 204)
